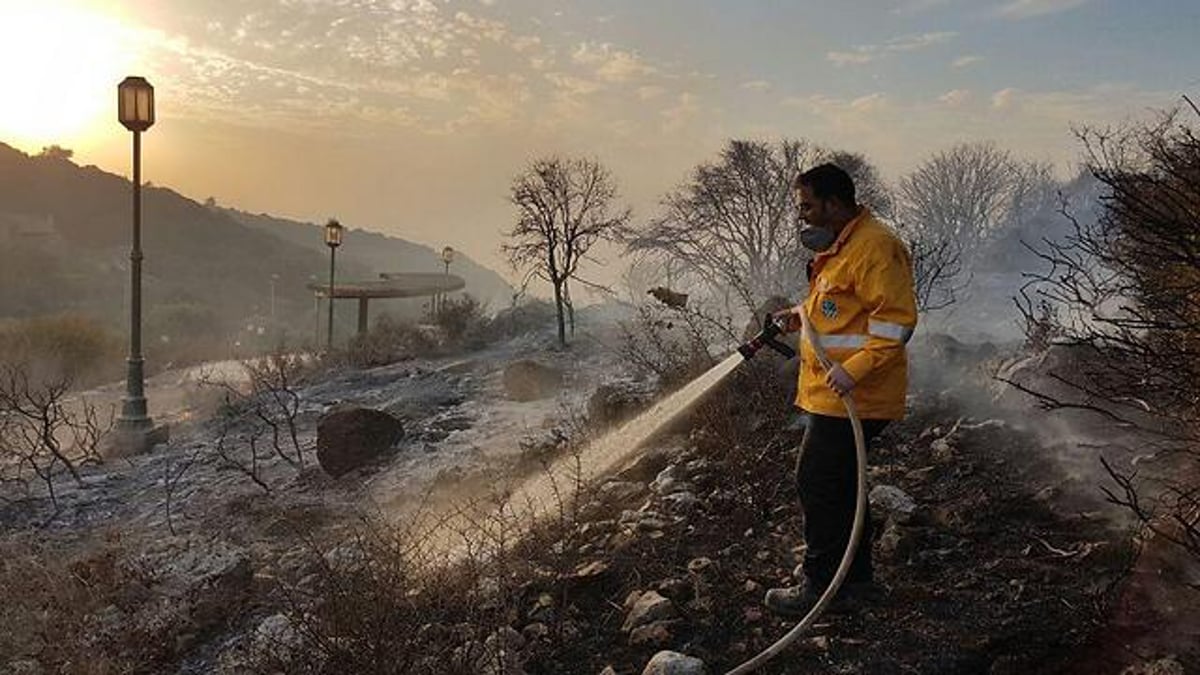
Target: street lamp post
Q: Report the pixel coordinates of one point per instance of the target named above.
(447, 258)
(274, 278)
(333, 239)
(135, 111)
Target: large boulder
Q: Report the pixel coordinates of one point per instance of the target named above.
(350, 438)
(614, 403)
(528, 380)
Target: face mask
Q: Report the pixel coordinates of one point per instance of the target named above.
(817, 238)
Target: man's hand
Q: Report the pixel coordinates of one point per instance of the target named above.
(790, 317)
(839, 380)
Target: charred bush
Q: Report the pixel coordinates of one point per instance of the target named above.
(1123, 291)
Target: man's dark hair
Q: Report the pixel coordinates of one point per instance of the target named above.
(828, 181)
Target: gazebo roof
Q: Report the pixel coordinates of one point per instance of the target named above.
(398, 285)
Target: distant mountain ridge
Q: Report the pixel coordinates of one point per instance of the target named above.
(64, 247)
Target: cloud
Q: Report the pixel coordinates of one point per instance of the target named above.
(611, 64)
(1024, 9)
(757, 85)
(915, 6)
(650, 91)
(956, 97)
(867, 53)
(686, 108)
(964, 61)
(1005, 97)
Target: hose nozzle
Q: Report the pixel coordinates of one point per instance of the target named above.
(766, 338)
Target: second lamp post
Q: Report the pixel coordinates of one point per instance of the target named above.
(333, 239)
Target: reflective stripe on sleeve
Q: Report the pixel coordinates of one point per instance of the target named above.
(890, 331)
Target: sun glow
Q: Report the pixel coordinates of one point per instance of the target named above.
(61, 62)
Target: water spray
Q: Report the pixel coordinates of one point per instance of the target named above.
(773, 327)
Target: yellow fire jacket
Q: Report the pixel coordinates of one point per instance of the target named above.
(863, 310)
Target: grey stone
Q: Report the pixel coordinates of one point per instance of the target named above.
(648, 608)
(894, 502)
(674, 663)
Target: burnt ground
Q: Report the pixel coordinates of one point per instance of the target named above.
(990, 576)
(1011, 562)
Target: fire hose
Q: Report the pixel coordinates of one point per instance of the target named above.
(767, 339)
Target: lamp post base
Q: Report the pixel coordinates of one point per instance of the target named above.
(134, 436)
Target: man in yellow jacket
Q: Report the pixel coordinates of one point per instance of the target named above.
(863, 310)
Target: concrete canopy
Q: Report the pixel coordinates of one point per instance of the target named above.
(393, 285)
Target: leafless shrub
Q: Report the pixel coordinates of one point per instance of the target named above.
(674, 344)
(1122, 294)
(463, 321)
(388, 341)
(436, 593)
(260, 421)
(524, 316)
(43, 429)
(64, 610)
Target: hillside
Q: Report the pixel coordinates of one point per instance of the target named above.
(380, 253)
(208, 272)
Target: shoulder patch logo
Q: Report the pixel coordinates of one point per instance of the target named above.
(829, 309)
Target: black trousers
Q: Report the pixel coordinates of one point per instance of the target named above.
(827, 481)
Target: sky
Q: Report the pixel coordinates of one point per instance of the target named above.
(411, 117)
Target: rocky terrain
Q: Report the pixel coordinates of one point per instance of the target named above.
(996, 553)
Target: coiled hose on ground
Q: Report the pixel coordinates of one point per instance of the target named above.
(826, 598)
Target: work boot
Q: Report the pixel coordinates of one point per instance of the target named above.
(792, 600)
(798, 600)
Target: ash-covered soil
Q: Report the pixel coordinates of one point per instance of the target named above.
(1010, 561)
(991, 574)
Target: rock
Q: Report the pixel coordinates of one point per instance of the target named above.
(656, 634)
(701, 566)
(535, 631)
(214, 578)
(678, 590)
(669, 481)
(896, 542)
(349, 439)
(647, 466)
(501, 654)
(586, 572)
(200, 583)
(527, 380)
(345, 557)
(1164, 666)
(276, 637)
(614, 403)
(669, 297)
(893, 502)
(674, 663)
(648, 608)
(620, 491)
(24, 667)
(543, 609)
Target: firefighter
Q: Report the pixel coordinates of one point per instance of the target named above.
(863, 310)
